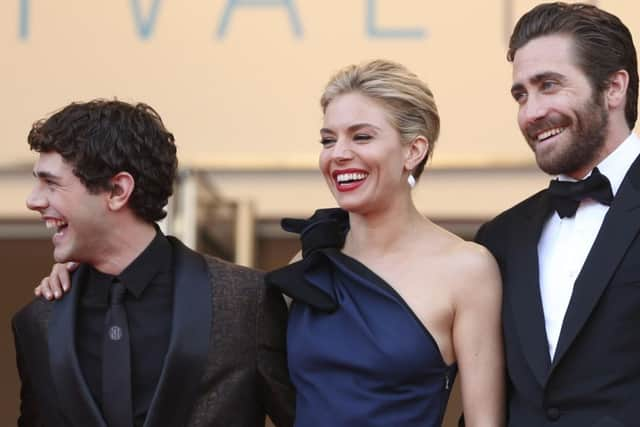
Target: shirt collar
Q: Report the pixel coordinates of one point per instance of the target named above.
(617, 163)
(155, 259)
(152, 261)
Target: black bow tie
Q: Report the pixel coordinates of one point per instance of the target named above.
(567, 195)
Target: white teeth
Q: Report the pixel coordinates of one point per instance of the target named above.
(549, 133)
(54, 223)
(343, 177)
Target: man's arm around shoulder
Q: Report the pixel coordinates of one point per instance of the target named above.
(277, 391)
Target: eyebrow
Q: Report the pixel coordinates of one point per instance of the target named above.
(353, 127)
(45, 175)
(536, 79)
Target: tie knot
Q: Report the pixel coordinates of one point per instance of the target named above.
(117, 293)
(567, 195)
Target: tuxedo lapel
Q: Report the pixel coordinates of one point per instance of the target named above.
(189, 345)
(619, 228)
(523, 291)
(72, 391)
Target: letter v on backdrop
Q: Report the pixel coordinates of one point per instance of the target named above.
(145, 15)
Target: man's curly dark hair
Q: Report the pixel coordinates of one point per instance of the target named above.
(101, 138)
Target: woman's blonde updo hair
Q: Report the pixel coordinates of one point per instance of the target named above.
(408, 100)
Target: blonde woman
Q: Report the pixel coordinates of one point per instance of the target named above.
(387, 306)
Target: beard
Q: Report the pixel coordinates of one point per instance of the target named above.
(585, 138)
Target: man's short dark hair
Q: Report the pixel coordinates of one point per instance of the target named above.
(101, 138)
(603, 44)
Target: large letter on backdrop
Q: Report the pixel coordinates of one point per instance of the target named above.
(231, 4)
(145, 26)
(23, 20)
(374, 31)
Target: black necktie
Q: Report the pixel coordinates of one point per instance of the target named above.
(116, 365)
(567, 195)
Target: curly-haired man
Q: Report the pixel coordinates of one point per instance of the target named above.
(151, 332)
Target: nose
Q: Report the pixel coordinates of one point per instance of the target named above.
(342, 150)
(35, 200)
(533, 110)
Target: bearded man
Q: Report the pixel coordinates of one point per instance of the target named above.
(570, 254)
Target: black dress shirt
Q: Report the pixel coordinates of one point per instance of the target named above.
(148, 302)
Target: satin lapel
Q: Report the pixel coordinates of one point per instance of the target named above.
(619, 228)
(73, 393)
(189, 345)
(523, 291)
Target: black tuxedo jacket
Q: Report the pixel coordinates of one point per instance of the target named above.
(225, 366)
(594, 378)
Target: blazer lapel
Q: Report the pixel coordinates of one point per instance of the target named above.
(73, 393)
(524, 288)
(189, 345)
(618, 230)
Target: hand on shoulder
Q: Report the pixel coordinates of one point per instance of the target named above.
(57, 283)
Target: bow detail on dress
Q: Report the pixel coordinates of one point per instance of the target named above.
(322, 236)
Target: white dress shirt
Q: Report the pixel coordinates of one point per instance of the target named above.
(565, 243)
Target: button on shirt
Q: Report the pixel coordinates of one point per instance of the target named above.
(565, 243)
(148, 302)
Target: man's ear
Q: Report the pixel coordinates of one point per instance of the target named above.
(417, 151)
(616, 92)
(122, 185)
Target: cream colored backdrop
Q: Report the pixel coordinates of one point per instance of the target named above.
(238, 81)
(250, 95)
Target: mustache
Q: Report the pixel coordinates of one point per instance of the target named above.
(546, 123)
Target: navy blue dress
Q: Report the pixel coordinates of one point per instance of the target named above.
(358, 355)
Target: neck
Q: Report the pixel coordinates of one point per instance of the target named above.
(381, 231)
(125, 244)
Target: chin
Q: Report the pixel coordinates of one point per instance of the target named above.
(545, 167)
(549, 163)
(356, 208)
(348, 205)
(554, 166)
(61, 256)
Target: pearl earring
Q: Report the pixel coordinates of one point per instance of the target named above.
(411, 180)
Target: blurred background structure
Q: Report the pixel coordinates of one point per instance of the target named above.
(238, 83)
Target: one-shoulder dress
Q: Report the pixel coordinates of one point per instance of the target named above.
(358, 356)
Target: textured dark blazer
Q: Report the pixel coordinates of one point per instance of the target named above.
(225, 366)
(594, 378)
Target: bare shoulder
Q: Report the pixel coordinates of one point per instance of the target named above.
(474, 259)
(474, 271)
(463, 264)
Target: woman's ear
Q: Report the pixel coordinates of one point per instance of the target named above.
(418, 149)
(122, 185)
